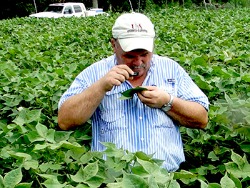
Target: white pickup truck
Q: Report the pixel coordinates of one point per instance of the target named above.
(58, 10)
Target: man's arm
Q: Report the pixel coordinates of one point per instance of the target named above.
(77, 109)
(189, 114)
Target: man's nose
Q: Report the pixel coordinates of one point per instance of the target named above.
(137, 60)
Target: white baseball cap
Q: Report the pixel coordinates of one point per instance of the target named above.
(134, 31)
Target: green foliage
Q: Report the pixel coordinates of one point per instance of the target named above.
(39, 58)
(128, 94)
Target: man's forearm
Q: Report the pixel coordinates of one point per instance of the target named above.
(79, 108)
(189, 114)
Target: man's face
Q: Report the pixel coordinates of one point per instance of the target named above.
(138, 60)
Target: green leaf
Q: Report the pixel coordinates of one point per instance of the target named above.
(226, 182)
(214, 185)
(66, 144)
(12, 178)
(238, 160)
(42, 130)
(202, 61)
(76, 153)
(128, 94)
(133, 181)
(143, 156)
(245, 147)
(85, 158)
(115, 185)
(185, 176)
(53, 183)
(148, 166)
(82, 186)
(236, 181)
(112, 151)
(152, 182)
(128, 157)
(125, 98)
(33, 136)
(90, 170)
(212, 156)
(117, 166)
(24, 185)
(245, 131)
(48, 176)
(233, 168)
(45, 166)
(139, 170)
(40, 146)
(62, 135)
(162, 176)
(30, 164)
(203, 184)
(173, 184)
(18, 155)
(95, 181)
(85, 173)
(246, 77)
(50, 136)
(1, 181)
(27, 116)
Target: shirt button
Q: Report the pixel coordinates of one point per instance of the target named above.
(140, 117)
(142, 139)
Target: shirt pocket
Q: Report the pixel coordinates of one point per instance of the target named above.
(170, 86)
(112, 121)
(113, 110)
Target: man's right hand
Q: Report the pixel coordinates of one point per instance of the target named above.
(115, 77)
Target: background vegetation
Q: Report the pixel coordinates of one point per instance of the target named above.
(17, 8)
(39, 58)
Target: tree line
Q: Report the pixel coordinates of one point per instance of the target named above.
(17, 8)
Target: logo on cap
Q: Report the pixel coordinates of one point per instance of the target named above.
(136, 28)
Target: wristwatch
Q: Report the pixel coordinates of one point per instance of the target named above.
(168, 106)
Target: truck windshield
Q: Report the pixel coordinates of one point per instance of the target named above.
(54, 9)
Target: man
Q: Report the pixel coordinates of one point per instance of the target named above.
(148, 122)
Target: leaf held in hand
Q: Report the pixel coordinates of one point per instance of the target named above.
(128, 94)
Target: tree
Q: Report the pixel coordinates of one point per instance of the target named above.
(95, 3)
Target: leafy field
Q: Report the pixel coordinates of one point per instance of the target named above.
(39, 58)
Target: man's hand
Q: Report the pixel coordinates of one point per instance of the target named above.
(115, 77)
(154, 97)
(187, 113)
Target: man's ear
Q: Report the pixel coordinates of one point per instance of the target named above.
(113, 43)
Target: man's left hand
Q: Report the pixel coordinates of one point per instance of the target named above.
(154, 97)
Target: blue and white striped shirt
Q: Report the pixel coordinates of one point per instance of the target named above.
(132, 125)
